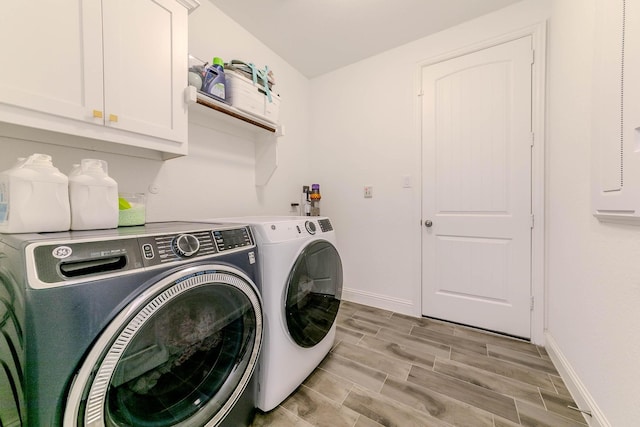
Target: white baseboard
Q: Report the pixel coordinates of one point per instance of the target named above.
(384, 302)
(578, 391)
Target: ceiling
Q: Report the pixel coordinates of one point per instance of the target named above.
(318, 36)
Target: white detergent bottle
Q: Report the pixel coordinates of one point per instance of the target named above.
(93, 196)
(34, 197)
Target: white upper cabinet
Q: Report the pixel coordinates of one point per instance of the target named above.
(106, 71)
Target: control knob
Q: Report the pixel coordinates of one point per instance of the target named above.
(186, 245)
(310, 226)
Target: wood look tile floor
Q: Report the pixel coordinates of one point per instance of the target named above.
(388, 369)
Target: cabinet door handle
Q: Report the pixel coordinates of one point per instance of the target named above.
(113, 118)
(97, 114)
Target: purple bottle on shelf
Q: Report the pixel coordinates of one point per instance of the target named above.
(214, 81)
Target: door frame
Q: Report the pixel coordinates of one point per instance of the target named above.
(538, 99)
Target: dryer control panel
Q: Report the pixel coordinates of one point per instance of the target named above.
(284, 230)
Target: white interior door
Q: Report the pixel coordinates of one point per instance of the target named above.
(476, 143)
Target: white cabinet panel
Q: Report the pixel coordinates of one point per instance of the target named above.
(616, 113)
(52, 60)
(145, 49)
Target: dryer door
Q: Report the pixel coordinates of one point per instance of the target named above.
(314, 289)
(179, 355)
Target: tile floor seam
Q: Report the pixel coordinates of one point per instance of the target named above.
(555, 388)
(518, 412)
(544, 403)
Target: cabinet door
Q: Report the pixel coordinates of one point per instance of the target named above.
(52, 57)
(145, 67)
(616, 112)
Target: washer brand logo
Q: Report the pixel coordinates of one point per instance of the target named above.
(61, 252)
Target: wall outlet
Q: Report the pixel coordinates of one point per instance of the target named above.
(368, 191)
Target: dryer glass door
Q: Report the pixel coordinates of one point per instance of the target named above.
(314, 289)
(181, 358)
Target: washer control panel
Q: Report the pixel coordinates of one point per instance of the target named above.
(232, 239)
(174, 247)
(66, 258)
(165, 248)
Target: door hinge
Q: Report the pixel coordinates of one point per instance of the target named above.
(533, 56)
(532, 303)
(421, 93)
(533, 138)
(533, 220)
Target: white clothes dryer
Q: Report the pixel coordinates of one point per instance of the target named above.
(301, 288)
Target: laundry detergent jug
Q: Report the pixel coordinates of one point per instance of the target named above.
(34, 197)
(93, 196)
(214, 81)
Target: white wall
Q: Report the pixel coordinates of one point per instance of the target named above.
(365, 131)
(593, 277)
(217, 177)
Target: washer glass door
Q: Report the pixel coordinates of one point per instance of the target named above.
(181, 359)
(12, 404)
(314, 289)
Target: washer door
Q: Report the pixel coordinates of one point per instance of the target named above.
(313, 293)
(179, 355)
(12, 405)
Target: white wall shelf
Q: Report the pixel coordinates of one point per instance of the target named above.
(232, 112)
(211, 113)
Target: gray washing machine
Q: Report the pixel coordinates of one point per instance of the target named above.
(157, 325)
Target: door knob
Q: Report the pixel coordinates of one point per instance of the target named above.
(428, 223)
